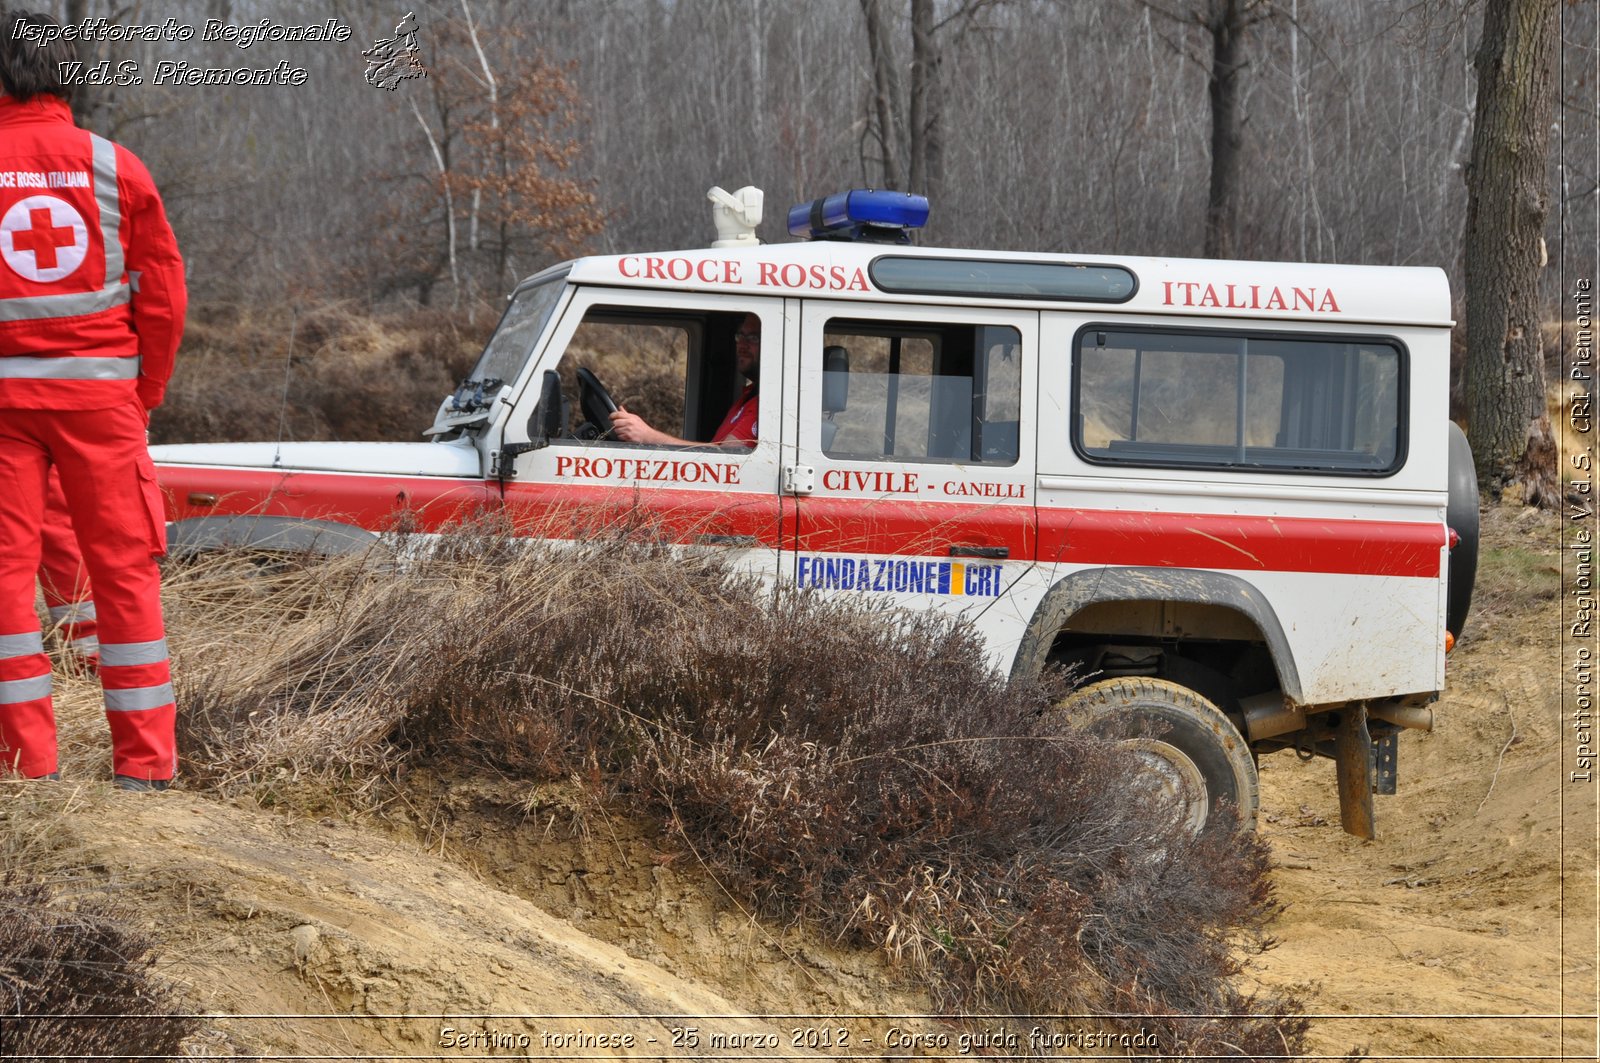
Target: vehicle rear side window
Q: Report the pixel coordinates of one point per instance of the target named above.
(922, 392)
(1163, 397)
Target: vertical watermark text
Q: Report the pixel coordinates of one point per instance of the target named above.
(1578, 536)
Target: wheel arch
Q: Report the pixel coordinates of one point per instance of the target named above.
(1133, 583)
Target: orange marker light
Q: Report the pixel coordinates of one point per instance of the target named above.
(1449, 642)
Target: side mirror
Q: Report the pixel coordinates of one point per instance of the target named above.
(544, 423)
(835, 379)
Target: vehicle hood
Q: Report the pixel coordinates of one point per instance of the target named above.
(393, 459)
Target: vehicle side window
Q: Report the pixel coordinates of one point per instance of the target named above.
(922, 392)
(676, 369)
(1235, 400)
(643, 364)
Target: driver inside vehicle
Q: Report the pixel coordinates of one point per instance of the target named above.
(738, 428)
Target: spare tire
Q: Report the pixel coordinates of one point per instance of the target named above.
(1461, 514)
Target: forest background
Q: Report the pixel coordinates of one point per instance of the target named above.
(342, 237)
(1344, 132)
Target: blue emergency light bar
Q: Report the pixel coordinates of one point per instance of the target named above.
(860, 214)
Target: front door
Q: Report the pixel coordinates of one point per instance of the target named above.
(673, 360)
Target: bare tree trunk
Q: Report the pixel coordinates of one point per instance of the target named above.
(885, 91)
(1507, 199)
(492, 87)
(443, 164)
(1226, 23)
(83, 96)
(927, 104)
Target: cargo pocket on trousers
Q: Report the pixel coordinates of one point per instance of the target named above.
(154, 506)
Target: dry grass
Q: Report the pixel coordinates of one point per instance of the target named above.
(75, 981)
(853, 768)
(75, 977)
(1517, 572)
(318, 372)
(327, 372)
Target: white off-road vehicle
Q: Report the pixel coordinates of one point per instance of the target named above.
(1229, 493)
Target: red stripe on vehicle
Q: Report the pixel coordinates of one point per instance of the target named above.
(377, 503)
(1250, 543)
(668, 514)
(926, 529)
(827, 525)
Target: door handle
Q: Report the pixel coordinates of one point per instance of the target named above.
(728, 540)
(993, 553)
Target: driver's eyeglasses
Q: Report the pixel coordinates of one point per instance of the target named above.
(752, 336)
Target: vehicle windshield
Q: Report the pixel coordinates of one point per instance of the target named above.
(514, 338)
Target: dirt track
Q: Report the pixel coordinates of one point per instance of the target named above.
(1457, 908)
(460, 910)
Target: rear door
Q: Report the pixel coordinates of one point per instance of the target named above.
(913, 475)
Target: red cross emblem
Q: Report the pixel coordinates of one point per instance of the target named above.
(43, 238)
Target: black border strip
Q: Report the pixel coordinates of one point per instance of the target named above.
(1031, 296)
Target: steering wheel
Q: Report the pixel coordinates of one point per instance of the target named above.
(595, 402)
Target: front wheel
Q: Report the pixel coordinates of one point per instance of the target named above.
(1194, 756)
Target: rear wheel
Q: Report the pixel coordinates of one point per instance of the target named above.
(1194, 756)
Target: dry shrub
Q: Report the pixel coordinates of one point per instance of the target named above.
(323, 372)
(76, 983)
(854, 767)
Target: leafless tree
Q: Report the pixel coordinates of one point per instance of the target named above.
(1033, 124)
(1227, 26)
(1504, 250)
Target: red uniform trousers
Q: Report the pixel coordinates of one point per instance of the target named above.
(111, 493)
(65, 581)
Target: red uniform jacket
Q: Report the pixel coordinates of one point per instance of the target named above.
(740, 425)
(92, 294)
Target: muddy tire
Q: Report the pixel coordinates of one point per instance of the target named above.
(1194, 754)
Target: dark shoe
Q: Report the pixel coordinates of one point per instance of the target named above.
(54, 776)
(129, 782)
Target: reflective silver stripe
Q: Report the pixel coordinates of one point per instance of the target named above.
(105, 196)
(23, 645)
(115, 292)
(72, 613)
(87, 646)
(16, 691)
(119, 654)
(68, 304)
(27, 367)
(138, 699)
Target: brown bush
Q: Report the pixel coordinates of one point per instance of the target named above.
(75, 982)
(318, 373)
(854, 767)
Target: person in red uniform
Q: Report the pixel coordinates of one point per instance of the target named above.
(65, 583)
(738, 428)
(92, 301)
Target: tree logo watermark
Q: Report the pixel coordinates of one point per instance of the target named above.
(392, 61)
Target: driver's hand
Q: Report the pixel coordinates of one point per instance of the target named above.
(630, 427)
